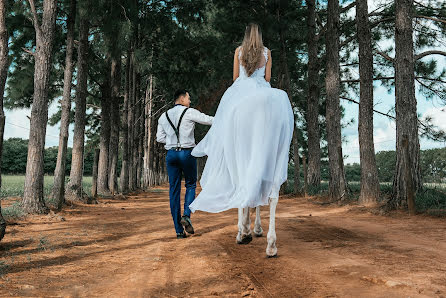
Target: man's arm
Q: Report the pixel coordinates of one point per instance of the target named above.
(199, 117)
(160, 133)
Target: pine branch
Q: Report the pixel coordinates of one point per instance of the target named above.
(436, 92)
(376, 11)
(424, 54)
(387, 57)
(35, 19)
(353, 4)
(29, 51)
(427, 130)
(392, 78)
(356, 102)
(431, 79)
(375, 79)
(372, 25)
(324, 27)
(431, 18)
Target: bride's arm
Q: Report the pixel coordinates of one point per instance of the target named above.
(236, 65)
(268, 67)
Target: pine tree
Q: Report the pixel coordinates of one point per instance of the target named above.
(4, 64)
(337, 184)
(58, 190)
(74, 188)
(32, 201)
(369, 172)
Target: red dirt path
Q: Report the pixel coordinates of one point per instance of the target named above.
(128, 248)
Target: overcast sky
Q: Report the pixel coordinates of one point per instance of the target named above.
(17, 123)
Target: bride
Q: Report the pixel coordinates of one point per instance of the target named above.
(248, 143)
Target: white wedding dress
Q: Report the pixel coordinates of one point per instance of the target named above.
(247, 145)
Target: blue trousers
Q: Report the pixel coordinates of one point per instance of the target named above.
(179, 163)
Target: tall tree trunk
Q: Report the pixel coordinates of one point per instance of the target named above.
(4, 64)
(405, 105)
(58, 190)
(284, 74)
(136, 126)
(77, 161)
(114, 132)
(131, 120)
(296, 161)
(147, 132)
(104, 139)
(337, 184)
(312, 115)
(369, 172)
(32, 201)
(124, 181)
(152, 148)
(140, 139)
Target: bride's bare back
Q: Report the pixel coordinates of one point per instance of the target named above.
(263, 62)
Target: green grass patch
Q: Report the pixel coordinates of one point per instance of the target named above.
(431, 200)
(13, 212)
(13, 185)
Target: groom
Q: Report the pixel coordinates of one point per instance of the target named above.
(176, 130)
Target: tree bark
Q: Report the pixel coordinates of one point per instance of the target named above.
(4, 64)
(296, 162)
(337, 184)
(114, 132)
(284, 74)
(94, 186)
(32, 201)
(369, 172)
(130, 119)
(136, 126)
(124, 181)
(77, 161)
(147, 132)
(58, 190)
(405, 105)
(312, 115)
(141, 143)
(104, 141)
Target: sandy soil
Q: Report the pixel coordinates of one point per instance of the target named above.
(128, 248)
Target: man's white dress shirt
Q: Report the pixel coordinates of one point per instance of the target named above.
(166, 134)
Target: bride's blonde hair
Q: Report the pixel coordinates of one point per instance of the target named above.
(252, 48)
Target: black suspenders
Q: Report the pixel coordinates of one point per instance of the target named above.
(177, 129)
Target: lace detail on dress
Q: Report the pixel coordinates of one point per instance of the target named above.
(259, 72)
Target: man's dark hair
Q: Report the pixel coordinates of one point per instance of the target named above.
(178, 93)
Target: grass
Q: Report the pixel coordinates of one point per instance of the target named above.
(12, 185)
(13, 212)
(431, 200)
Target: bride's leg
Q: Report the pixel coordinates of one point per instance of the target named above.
(271, 249)
(244, 236)
(258, 231)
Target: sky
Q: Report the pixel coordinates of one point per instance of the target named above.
(17, 122)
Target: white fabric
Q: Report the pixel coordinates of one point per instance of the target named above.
(166, 134)
(247, 146)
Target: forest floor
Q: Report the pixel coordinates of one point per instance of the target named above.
(127, 247)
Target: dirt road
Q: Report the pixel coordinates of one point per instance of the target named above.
(128, 248)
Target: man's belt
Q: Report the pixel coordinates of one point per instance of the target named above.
(181, 148)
